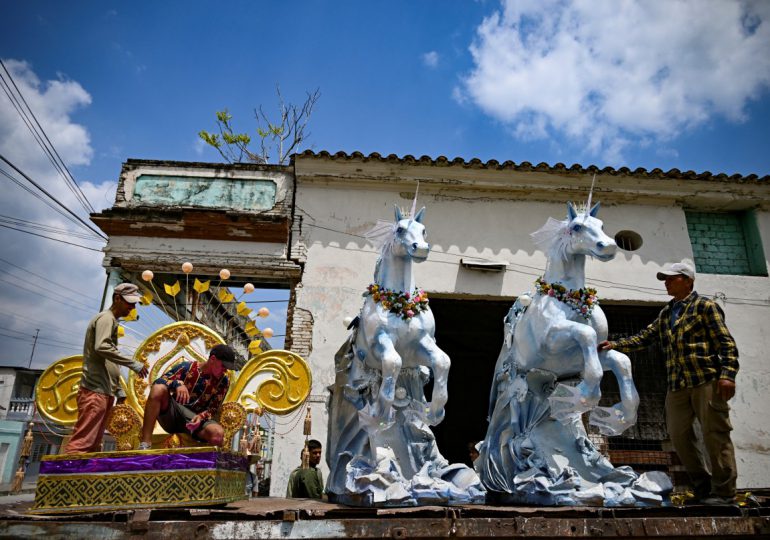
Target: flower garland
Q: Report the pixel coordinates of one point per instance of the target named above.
(582, 300)
(403, 304)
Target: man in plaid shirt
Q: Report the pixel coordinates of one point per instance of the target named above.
(186, 398)
(701, 363)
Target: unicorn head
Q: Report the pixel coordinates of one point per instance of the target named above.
(409, 236)
(586, 234)
(580, 234)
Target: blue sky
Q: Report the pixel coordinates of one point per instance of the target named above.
(668, 84)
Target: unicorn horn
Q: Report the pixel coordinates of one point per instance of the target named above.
(414, 201)
(590, 194)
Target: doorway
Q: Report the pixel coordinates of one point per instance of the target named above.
(471, 333)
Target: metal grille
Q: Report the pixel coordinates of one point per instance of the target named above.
(39, 449)
(643, 446)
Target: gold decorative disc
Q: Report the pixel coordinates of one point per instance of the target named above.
(57, 390)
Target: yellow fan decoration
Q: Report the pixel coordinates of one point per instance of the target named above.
(172, 290)
(146, 298)
(225, 296)
(251, 329)
(243, 310)
(254, 346)
(201, 286)
(131, 316)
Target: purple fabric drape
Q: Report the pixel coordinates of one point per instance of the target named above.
(149, 462)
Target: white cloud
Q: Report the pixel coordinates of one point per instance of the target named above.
(72, 276)
(430, 59)
(606, 73)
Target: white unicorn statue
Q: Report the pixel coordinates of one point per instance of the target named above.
(548, 373)
(380, 449)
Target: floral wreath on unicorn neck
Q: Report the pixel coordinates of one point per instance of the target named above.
(404, 304)
(582, 300)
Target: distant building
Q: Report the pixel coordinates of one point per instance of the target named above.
(17, 410)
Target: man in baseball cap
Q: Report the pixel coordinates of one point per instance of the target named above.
(676, 269)
(100, 384)
(701, 364)
(129, 292)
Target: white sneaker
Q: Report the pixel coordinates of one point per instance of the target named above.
(145, 446)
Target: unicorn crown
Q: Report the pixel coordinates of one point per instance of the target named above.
(405, 213)
(582, 208)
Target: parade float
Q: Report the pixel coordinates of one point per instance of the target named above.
(380, 449)
(178, 471)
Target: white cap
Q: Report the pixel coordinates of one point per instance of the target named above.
(677, 269)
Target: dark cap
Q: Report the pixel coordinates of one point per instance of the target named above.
(129, 292)
(224, 354)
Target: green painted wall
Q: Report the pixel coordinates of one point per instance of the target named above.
(11, 433)
(726, 243)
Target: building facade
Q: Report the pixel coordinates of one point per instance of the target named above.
(302, 227)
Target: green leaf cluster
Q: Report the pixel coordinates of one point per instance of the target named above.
(277, 139)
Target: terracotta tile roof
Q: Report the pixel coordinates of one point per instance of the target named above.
(476, 163)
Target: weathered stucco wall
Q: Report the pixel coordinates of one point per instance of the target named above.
(337, 208)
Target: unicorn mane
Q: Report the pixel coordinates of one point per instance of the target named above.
(553, 238)
(382, 234)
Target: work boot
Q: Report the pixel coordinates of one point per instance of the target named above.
(716, 500)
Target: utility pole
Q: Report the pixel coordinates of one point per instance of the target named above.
(37, 331)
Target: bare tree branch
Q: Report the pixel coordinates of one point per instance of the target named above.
(281, 138)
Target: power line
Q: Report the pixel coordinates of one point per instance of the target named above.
(43, 338)
(46, 296)
(48, 326)
(47, 279)
(49, 149)
(40, 198)
(33, 284)
(75, 349)
(50, 238)
(36, 225)
(28, 179)
(12, 330)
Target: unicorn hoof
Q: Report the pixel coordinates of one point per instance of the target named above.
(567, 402)
(611, 421)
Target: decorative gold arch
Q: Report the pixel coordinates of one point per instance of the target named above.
(275, 381)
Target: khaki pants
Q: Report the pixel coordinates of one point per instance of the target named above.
(682, 408)
(93, 411)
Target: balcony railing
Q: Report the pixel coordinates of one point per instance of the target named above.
(21, 409)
